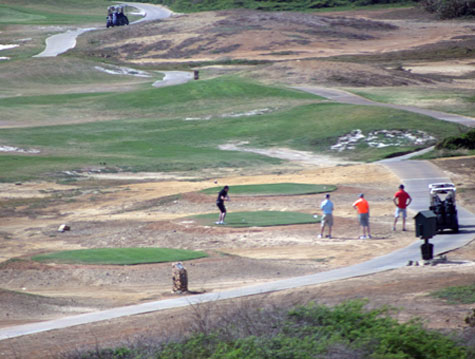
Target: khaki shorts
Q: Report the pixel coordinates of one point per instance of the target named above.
(327, 220)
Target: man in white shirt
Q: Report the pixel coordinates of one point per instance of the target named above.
(327, 219)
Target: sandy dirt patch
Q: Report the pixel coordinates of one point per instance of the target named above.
(288, 154)
(270, 36)
(456, 68)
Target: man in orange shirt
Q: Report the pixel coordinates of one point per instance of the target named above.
(362, 207)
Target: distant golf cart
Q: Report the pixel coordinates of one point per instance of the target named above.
(442, 203)
(116, 16)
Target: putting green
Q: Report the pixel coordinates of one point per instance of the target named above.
(274, 189)
(258, 219)
(120, 256)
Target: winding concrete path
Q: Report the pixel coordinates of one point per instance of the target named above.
(61, 43)
(349, 98)
(415, 174)
(173, 78)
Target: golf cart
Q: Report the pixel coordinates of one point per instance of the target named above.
(116, 16)
(442, 203)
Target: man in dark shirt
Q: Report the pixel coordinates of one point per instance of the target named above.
(222, 196)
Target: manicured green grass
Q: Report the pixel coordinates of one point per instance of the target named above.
(120, 256)
(459, 101)
(153, 133)
(275, 189)
(53, 12)
(258, 219)
(457, 295)
(199, 98)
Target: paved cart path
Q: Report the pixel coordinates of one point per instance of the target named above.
(349, 98)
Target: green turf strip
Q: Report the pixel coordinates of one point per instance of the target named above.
(258, 219)
(274, 189)
(122, 256)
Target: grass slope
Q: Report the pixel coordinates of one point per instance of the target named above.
(272, 5)
(458, 101)
(52, 12)
(258, 219)
(122, 256)
(275, 189)
(60, 75)
(154, 134)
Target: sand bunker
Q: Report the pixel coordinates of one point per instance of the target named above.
(286, 154)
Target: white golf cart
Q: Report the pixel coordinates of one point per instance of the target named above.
(442, 203)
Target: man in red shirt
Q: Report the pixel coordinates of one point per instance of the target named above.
(401, 199)
(362, 207)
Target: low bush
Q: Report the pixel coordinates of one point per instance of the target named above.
(311, 331)
(464, 141)
(449, 9)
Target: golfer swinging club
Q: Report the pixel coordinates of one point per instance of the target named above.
(222, 196)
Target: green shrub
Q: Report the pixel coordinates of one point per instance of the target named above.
(307, 332)
(465, 141)
(449, 9)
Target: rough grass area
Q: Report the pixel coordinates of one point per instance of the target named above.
(457, 295)
(59, 75)
(275, 189)
(461, 102)
(295, 5)
(119, 256)
(258, 219)
(311, 331)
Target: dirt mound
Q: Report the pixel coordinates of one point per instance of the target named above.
(374, 44)
(336, 73)
(235, 34)
(19, 308)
